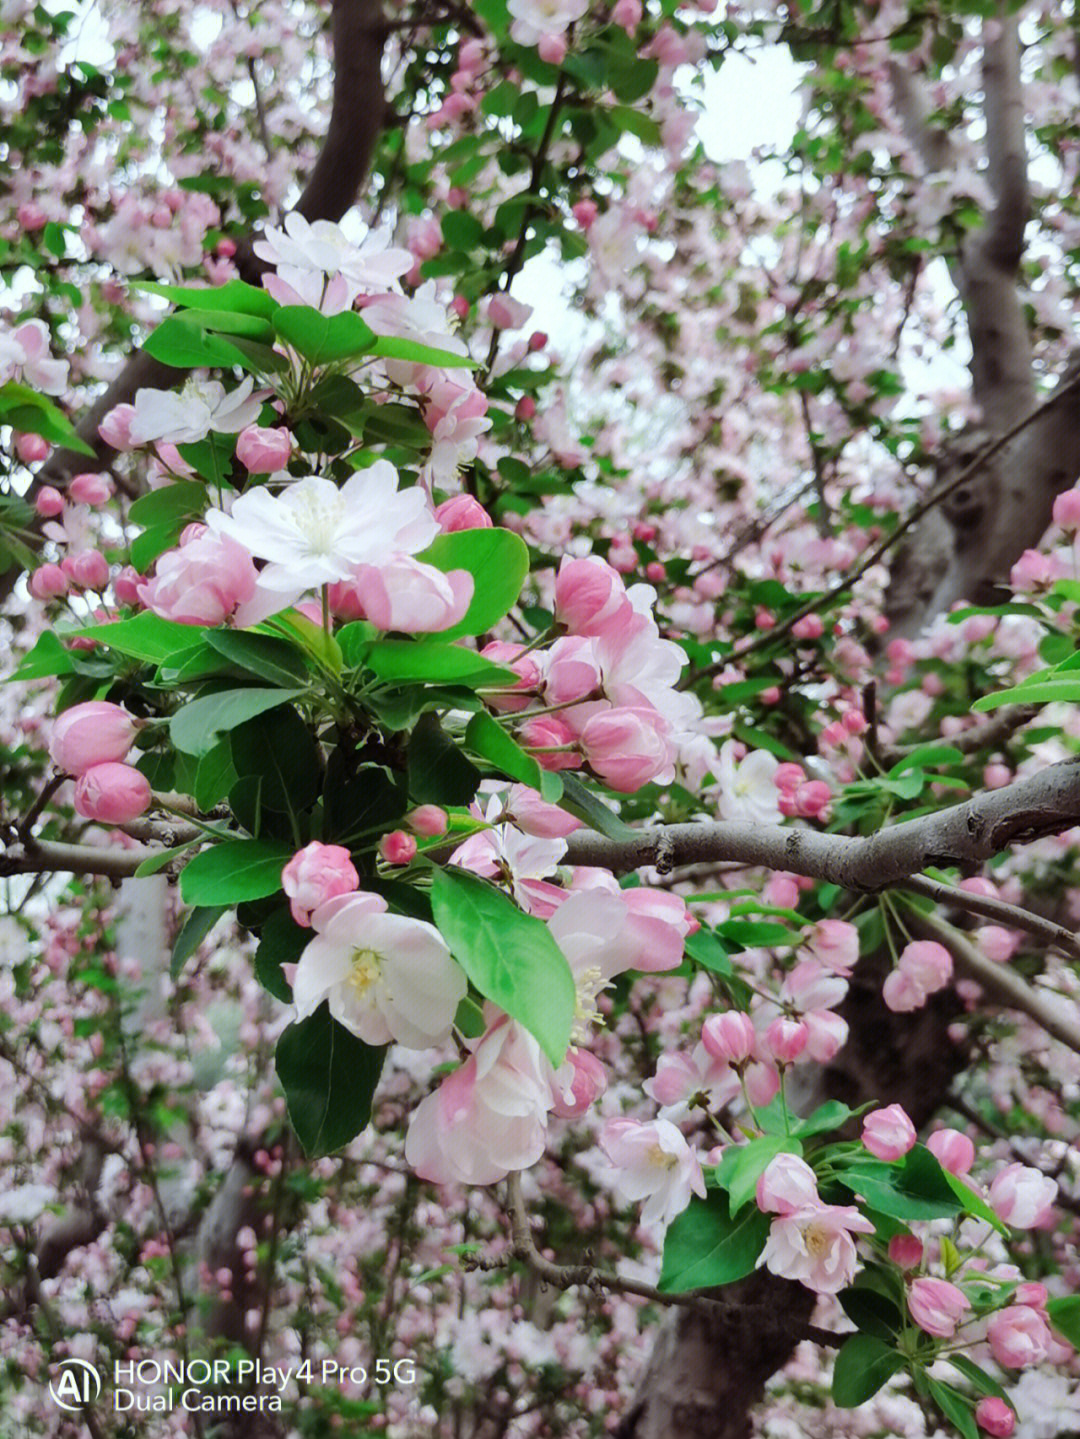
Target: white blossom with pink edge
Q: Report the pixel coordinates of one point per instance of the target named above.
(814, 1245)
(311, 255)
(188, 416)
(652, 1161)
(25, 350)
(386, 977)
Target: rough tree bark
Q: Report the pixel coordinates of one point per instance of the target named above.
(696, 1382)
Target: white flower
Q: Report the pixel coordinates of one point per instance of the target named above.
(27, 349)
(422, 318)
(655, 1163)
(315, 533)
(505, 852)
(187, 417)
(747, 791)
(302, 249)
(25, 1204)
(533, 18)
(386, 977)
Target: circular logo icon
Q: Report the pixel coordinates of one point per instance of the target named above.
(74, 1385)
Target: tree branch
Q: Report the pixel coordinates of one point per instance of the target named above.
(1006, 149)
(1010, 915)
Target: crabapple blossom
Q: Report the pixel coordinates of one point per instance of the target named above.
(786, 1184)
(729, 1037)
(994, 1416)
(653, 1162)
(95, 732)
(532, 19)
(262, 451)
(937, 1306)
(401, 593)
(628, 748)
(906, 1250)
(428, 820)
(746, 788)
(579, 1083)
(24, 352)
(953, 1151)
(184, 418)
(112, 793)
(813, 1244)
(203, 582)
(316, 873)
(1019, 1336)
(835, 944)
(397, 847)
(1022, 1197)
(888, 1133)
(386, 977)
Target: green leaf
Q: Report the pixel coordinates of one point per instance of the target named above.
(973, 1203)
(233, 871)
(433, 662)
(181, 501)
(872, 1312)
(917, 1188)
(584, 805)
(182, 342)
(195, 928)
(705, 1246)
(498, 561)
(329, 1078)
(281, 751)
(358, 804)
(1064, 1315)
(438, 772)
(740, 1175)
(956, 1407)
(281, 941)
(145, 637)
(274, 660)
(509, 956)
(24, 409)
(926, 756)
(197, 725)
(755, 934)
(163, 857)
(48, 657)
(215, 776)
(828, 1116)
(323, 339)
(146, 548)
(982, 1382)
(392, 347)
(234, 296)
(487, 739)
(862, 1366)
(1046, 692)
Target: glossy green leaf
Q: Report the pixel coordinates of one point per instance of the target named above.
(705, 1246)
(194, 930)
(433, 662)
(586, 806)
(438, 771)
(509, 956)
(270, 659)
(329, 1078)
(279, 748)
(872, 1312)
(862, 1366)
(24, 409)
(487, 739)
(281, 941)
(47, 657)
(393, 347)
(1064, 1315)
(743, 1165)
(234, 296)
(145, 637)
(183, 500)
(182, 342)
(323, 339)
(498, 561)
(956, 1407)
(215, 776)
(197, 726)
(233, 871)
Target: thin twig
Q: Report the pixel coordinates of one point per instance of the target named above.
(1010, 915)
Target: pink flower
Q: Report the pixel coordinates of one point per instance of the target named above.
(31, 448)
(571, 671)
(906, 1251)
(827, 1033)
(405, 594)
(428, 820)
(397, 847)
(1067, 511)
(888, 1133)
(112, 793)
(590, 597)
(547, 732)
(1021, 1197)
(1035, 571)
(503, 311)
(115, 428)
(202, 582)
(316, 873)
(952, 1150)
(90, 489)
(628, 748)
(937, 1306)
(462, 512)
(654, 1163)
(786, 1038)
(927, 964)
(262, 451)
(579, 1083)
(786, 1184)
(656, 925)
(488, 1117)
(1019, 1336)
(901, 994)
(834, 943)
(729, 1037)
(994, 1416)
(49, 502)
(814, 1245)
(518, 696)
(89, 734)
(89, 569)
(811, 985)
(536, 817)
(48, 582)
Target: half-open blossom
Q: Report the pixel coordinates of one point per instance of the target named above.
(316, 873)
(786, 1184)
(1022, 1197)
(629, 748)
(835, 944)
(201, 583)
(888, 1133)
(653, 1162)
(1019, 1336)
(25, 351)
(747, 791)
(729, 1036)
(994, 1417)
(952, 1150)
(814, 1246)
(937, 1306)
(386, 977)
(532, 19)
(400, 593)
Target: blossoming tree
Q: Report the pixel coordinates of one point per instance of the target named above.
(540, 880)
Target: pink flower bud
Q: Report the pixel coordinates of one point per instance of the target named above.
(1019, 1336)
(91, 734)
(937, 1306)
(90, 489)
(585, 1086)
(547, 732)
(994, 1416)
(628, 748)
(31, 216)
(786, 1039)
(89, 569)
(787, 777)
(115, 428)
(263, 451)
(31, 448)
(126, 586)
(49, 502)
(834, 943)
(462, 512)
(728, 1037)
(901, 994)
(888, 1133)
(537, 341)
(1033, 1295)
(202, 582)
(1067, 510)
(590, 597)
(906, 1251)
(397, 847)
(315, 874)
(428, 820)
(627, 14)
(927, 964)
(812, 799)
(552, 49)
(48, 582)
(787, 1183)
(585, 213)
(997, 943)
(952, 1150)
(112, 793)
(525, 409)
(762, 1082)
(810, 627)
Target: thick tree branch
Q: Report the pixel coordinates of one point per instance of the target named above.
(931, 142)
(1006, 149)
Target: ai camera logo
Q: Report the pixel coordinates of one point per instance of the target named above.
(74, 1385)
